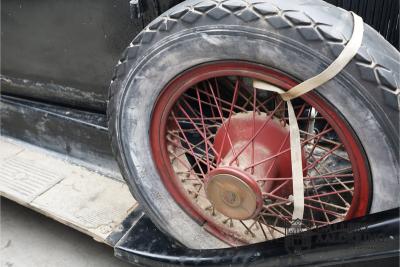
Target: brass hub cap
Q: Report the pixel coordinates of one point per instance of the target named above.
(234, 193)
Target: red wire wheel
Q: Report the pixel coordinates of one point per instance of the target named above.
(222, 149)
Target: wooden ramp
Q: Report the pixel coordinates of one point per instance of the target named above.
(68, 191)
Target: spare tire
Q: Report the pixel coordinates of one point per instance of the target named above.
(207, 155)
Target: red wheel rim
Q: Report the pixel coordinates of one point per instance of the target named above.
(331, 194)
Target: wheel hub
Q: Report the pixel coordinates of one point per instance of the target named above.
(273, 138)
(232, 188)
(234, 193)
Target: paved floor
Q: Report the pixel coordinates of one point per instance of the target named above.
(29, 239)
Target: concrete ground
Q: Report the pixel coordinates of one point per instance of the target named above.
(29, 239)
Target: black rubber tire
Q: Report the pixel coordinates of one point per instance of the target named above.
(298, 37)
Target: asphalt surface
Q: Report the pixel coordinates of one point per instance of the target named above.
(29, 239)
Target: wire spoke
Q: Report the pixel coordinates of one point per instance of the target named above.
(286, 150)
(225, 127)
(256, 134)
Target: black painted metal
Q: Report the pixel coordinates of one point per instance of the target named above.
(131, 220)
(52, 93)
(69, 45)
(382, 15)
(75, 133)
(367, 240)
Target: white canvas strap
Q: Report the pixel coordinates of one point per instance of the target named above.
(295, 145)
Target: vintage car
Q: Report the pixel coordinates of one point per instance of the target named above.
(138, 123)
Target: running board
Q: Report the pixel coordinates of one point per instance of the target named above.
(66, 190)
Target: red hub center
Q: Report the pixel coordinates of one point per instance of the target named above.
(271, 147)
